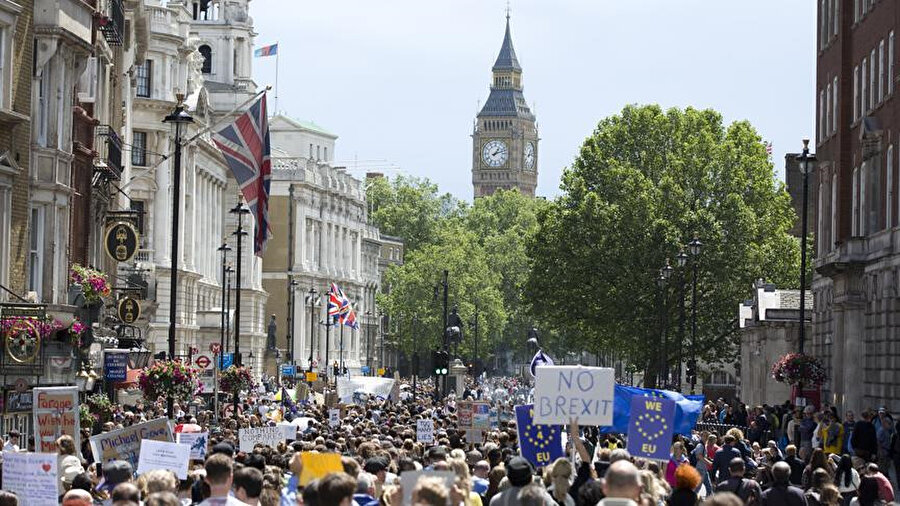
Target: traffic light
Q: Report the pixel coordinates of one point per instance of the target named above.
(691, 371)
(441, 361)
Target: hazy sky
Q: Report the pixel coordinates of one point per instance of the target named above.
(400, 80)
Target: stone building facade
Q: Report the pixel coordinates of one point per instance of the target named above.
(857, 281)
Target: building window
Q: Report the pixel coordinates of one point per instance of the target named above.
(326, 153)
(890, 74)
(143, 76)
(138, 207)
(855, 11)
(889, 204)
(864, 84)
(43, 119)
(206, 53)
(828, 113)
(854, 223)
(36, 251)
(835, 17)
(833, 212)
(872, 75)
(4, 66)
(863, 209)
(855, 93)
(834, 105)
(821, 115)
(139, 149)
(881, 71)
(310, 151)
(318, 153)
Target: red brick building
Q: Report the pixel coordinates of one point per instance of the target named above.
(857, 303)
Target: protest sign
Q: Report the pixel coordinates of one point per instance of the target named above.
(334, 417)
(289, 430)
(174, 457)
(408, 480)
(495, 418)
(425, 431)
(650, 429)
(269, 436)
(198, 441)
(564, 393)
(32, 477)
(55, 414)
(539, 444)
(317, 465)
(125, 444)
(349, 390)
(302, 393)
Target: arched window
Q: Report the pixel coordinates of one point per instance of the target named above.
(206, 52)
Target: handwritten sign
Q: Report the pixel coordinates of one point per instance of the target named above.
(164, 455)
(334, 417)
(268, 436)
(425, 431)
(55, 414)
(198, 441)
(125, 444)
(318, 465)
(650, 427)
(32, 477)
(563, 393)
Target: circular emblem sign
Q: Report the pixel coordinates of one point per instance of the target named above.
(121, 241)
(23, 341)
(202, 361)
(129, 310)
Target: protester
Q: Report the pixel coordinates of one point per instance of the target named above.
(782, 493)
(621, 485)
(747, 490)
(846, 479)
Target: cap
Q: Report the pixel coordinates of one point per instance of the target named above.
(519, 472)
(115, 472)
(375, 465)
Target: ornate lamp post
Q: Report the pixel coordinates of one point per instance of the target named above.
(682, 259)
(312, 296)
(694, 247)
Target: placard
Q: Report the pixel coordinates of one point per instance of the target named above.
(289, 430)
(198, 441)
(539, 444)
(651, 427)
(334, 417)
(425, 431)
(125, 444)
(318, 465)
(564, 393)
(164, 455)
(269, 436)
(32, 477)
(55, 413)
(377, 387)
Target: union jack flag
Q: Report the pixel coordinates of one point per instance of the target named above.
(340, 308)
(245, 145)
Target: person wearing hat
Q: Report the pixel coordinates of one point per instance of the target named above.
(12, 441)
(520, 474)
(114, 473)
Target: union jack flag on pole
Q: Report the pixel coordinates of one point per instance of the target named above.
(245, 145)
(340, 308)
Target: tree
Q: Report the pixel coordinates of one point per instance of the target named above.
(409, 208)
(643, 183)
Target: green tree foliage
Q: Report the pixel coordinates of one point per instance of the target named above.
(644, 181)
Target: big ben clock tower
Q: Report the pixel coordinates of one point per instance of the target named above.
(505, 140)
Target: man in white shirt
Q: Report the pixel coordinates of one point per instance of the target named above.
(12, 442)
(219, 476)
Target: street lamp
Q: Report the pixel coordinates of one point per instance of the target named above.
(694, 247)
(312, 296)
(179, 118)
(807, 164)
(229, 270)
(682, 260)
(369, 317)
(224, 248)
(662, 280)
(292, 287)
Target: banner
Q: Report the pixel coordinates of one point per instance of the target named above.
(318, 465)
(162, 455)
(32, 477)
(125, 444)
(198, 441)
(55, 413)
(687, 408)
(564, 393)
(348, 388)
(269, 436)
(425, 431)
(650, 428)
(539, 444)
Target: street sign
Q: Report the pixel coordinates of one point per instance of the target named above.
(215, 348)
(364, 369)
(115, 365)
(227, 360)
(21, 385)
(288, 370)
(129, 310)
(203, 361)
(311, 376)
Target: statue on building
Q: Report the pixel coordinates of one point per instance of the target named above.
(273, 329)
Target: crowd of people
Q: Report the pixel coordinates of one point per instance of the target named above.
(767, 455)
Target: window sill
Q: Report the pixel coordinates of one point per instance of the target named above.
(10, 117)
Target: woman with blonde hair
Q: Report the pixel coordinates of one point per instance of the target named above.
(558, 479)
(464, 481)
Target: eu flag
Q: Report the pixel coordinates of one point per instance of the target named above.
(687, 408)
(539, 444)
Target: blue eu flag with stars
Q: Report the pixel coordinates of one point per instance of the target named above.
(539, 444)
(687, 408)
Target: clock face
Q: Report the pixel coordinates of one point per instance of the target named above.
(529, 155)
(494, 153)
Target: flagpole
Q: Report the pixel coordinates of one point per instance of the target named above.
(277, 54)
(225, 117)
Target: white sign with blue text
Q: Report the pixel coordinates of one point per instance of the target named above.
(563, 393)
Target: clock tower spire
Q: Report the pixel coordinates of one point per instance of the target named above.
(505, 139)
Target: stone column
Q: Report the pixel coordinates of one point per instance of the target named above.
(161, 224)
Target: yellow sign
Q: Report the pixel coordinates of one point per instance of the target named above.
(381, 371)
(319, 465)
(312, 376)
(121, 241)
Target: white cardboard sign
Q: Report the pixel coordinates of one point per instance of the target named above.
(269, 436)
(425, 431)
(564, 393)
(164, 455)
(32, 477)
(334, 417)
(198, 441)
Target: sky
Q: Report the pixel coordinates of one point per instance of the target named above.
(400, 81)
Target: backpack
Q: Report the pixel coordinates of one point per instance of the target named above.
(692, 457)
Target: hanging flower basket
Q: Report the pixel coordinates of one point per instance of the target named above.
(100, 407)
(796, 368)
(169, 377)
(94, 284)
(76, 333)
(236, 379)
(87, 419)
